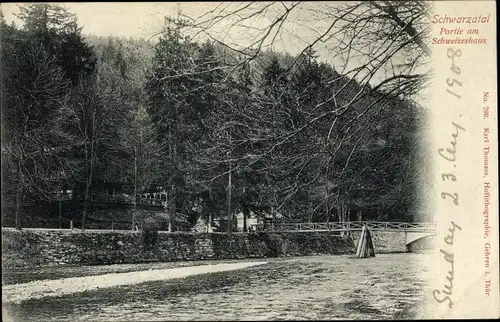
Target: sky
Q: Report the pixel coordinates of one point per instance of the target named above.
(128, 19)
(144, 20)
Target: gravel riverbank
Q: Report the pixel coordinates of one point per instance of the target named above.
(16, 293)
(25, 275)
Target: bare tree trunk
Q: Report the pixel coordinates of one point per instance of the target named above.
(340, 209)
(172, 208)
(309, 219)
(167, 205)
(206, 215)
(90, 158)
(229, 191)
(135, 188)
(60, 212)
(87, 189)
(209, 228)
(229, 215)
(273, 217)
(19, 197)
(86, 201)
(171, 203)
(327, 211)
(246, 214)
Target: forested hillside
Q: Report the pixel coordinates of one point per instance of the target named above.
(277, 134)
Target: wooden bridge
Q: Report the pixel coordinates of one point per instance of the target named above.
(405, 233)
(417, 227)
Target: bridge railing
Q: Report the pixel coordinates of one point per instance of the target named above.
(352, 226)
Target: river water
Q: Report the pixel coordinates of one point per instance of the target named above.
(388, 286)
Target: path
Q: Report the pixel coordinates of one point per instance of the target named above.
(17, 293)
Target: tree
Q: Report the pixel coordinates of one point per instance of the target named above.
(42, 63)
(130, 155)
(170, 89)
(146, 151)
(57, 30)
(85, 119)
(33, 85)
(36, 79)
(383, 56)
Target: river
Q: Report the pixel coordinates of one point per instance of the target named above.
(388, 286)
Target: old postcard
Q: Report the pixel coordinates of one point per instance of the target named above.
(249, 160)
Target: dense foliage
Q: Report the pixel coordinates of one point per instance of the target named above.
(81, 113)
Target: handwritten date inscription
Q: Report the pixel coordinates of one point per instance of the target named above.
(445, 294)
(449, 154)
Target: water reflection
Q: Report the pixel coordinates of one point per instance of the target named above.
(322, 287)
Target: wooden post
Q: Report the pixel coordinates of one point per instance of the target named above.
(71, 224)
(365, 244)
(371, 249)
(360, 242)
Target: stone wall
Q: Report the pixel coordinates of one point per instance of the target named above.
(38, 247)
